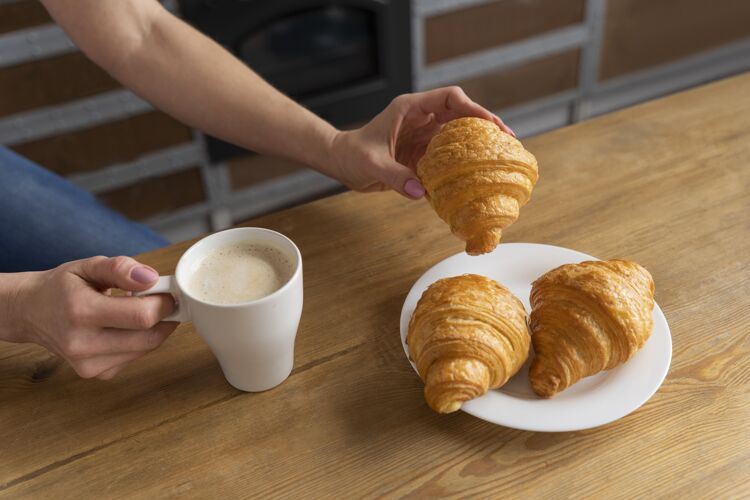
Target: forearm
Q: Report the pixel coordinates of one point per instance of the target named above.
(195, 80)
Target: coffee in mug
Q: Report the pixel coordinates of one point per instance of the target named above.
(238, 272)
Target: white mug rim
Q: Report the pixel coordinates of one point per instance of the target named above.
(265, 298)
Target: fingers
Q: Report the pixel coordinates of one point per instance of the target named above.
(390, 146)
(401, 179)
(447, 103)
(117, 341)
(121, 272)
(95, 331)
(374, 188)
(97, 366)
(110, 373)
(132, 313)
(109, 348)
(92, 343)
(500, 123)
(155, 337)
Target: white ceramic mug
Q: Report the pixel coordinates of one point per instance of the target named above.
(253, 341)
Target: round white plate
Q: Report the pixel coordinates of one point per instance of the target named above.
(593, 401)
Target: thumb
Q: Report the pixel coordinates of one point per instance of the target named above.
(402, 179)
(121, 272)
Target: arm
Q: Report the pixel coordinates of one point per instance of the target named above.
(191, 77)
(195, 80)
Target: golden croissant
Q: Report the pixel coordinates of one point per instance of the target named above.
(477, 177)
(467, 335)
(586, 318)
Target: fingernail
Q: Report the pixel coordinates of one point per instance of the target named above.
(143, 274)
(504, 125)
(413, 188)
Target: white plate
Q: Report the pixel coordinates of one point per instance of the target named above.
(593, 401)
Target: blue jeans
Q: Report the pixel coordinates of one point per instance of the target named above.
(46, 221)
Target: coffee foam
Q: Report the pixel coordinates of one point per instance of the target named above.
(238, 272)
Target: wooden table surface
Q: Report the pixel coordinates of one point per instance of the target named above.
(666, 184)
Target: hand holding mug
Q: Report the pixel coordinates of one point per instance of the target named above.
(70, 311)
(247, 307)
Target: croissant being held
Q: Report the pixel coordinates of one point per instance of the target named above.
(477, 178)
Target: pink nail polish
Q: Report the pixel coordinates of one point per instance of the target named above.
(143, 274)
(414, 189)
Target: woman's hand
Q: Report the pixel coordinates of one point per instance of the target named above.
(384, 153)
(70, 311)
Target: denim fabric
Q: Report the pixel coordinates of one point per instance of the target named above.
(46, 220)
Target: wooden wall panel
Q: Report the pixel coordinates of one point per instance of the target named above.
(22, 15)
(157, 195)
(51, 81)
(497, 23)
(114, 142)
(640, 34)
(512, 86)
(249, 170)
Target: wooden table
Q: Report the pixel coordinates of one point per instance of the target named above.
(666, 183)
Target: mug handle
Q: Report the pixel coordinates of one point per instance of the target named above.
(168, 284)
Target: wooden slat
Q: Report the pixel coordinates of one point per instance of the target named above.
(157, 195)
(351, 420)
(534, 80)
(21, 15)
(51, 81)
(115, 142)
(640, 34)
(249, 170)
(493, 24)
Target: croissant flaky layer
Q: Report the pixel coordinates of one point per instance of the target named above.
(477, 178)
(586, 318)
(468, 334)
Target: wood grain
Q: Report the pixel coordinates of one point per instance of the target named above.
(665, 183)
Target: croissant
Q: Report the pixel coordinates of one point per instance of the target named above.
(477, 177)
(586, 318)
(468, 334)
